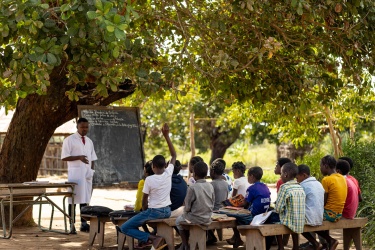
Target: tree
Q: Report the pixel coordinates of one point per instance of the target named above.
(56, 55)
(175, 107)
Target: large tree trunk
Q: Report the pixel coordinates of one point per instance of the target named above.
(288, 150)
(34, 122)
(221, 141)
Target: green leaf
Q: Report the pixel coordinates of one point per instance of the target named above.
(99, 5)
(107, 7)
(44, 6)
(110, 28)
(142, 73)
(91, 15)
(294, 3)
(120, 34)
(122, 26)
(51, 58)
(64, 7)
(116, 52)
(117, 19)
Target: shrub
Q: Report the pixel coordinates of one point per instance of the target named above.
(313, 161)
(363, 155)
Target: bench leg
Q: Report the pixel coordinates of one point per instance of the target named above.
(197, 237)
(355, 234)
(166, 232)
(101, 233)
(254, 240)
(120, 241)
(94, 228)
(220, 234)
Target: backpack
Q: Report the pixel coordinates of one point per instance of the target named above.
(99, 211)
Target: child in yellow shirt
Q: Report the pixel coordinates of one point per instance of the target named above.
(147, 171)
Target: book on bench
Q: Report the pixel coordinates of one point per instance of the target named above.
(260, 218)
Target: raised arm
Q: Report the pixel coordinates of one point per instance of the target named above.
(165, 131)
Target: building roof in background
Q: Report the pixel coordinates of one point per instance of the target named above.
(67, 128)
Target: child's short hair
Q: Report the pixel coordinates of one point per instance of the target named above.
(240, 166)
(194, 160)
(304, 169)
(200, 169)
(148, 168)
(343, 166)
(159, 161)
(177, 167)
(329, 161)
(256, 171)
(349, 160)
(281, 161)
(218, 166)
(291, 169)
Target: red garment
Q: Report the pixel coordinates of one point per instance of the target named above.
(351, 203)
(278, 184)
(83, 140)
(355, 182)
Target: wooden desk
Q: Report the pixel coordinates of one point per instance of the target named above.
(34, 194)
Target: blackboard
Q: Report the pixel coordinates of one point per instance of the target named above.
(116, 134)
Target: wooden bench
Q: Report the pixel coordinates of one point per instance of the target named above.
(121, 238)
(255, 235)
(164, 228)
(97, 227)
(197, 236)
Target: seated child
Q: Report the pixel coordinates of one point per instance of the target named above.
(147, 171)
(179, 188)
(192, 162)
(199, 203)
(290, 204)
(156, 198)
(257, 199)
(220, 189)
(224, 176)
(280, 162)
(240, 183)
(352, 198)
(351, 177)
(335, 189)
(314, 208)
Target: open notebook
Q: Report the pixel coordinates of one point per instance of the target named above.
(260, 218)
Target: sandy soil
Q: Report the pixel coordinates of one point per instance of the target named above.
(115, 198)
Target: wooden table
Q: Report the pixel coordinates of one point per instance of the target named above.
(34, 194)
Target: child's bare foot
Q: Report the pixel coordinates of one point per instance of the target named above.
(333, 245)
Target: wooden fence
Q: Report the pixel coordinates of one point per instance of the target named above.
(51, 163)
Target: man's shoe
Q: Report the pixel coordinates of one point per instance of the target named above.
(85, 227)
(73, 231)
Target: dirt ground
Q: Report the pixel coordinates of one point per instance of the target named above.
(115, 198)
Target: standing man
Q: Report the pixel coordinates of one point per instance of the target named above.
(78, 151)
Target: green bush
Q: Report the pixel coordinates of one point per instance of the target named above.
(363, 155)
(313, 161)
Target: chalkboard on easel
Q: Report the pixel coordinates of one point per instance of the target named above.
(116, 134)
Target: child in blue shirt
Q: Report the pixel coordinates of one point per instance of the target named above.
(258, 199)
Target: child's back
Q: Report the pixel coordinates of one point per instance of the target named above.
(199, 202)
(335, 187)
(290, 202)
(353, 194)
(219, 184)
(179, 188)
